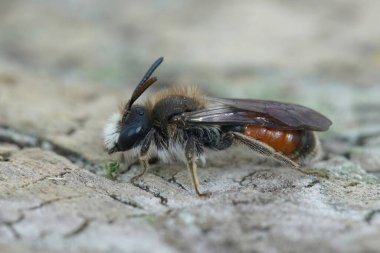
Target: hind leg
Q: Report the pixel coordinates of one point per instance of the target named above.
(264, 149)
(269, 152)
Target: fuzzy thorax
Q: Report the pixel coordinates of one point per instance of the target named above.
(111, 131)
(192, 92)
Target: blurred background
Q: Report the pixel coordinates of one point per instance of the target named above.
(113, 42)
(323, 54)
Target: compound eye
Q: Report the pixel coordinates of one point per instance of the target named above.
(131, 131)
(129, 136)
(134, 130)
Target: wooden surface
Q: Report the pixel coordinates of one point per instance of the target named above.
(65, 67)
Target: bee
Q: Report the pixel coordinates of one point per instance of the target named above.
(180, 124)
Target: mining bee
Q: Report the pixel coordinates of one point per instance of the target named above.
(180, 123)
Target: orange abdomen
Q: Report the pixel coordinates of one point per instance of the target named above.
(287, 142)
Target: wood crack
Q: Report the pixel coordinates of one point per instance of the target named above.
(156, 194)
(174, 181)
(369, 216)
(125, 202)
(12, 229)
(26, 140)
(51, 201)
(82, 226)
(113, 196)
(60, 175)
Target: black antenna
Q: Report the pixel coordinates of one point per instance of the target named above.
(145, 83)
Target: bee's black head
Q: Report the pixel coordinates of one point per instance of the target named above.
(133, 129)
(127, 132)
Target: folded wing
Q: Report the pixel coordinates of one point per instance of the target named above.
(270, 114)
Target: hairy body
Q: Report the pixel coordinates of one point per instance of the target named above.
(181, 123)
(172, 142)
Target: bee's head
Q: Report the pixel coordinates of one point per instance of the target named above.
(126, 130)
(121, 134)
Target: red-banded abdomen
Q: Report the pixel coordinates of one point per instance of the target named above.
(294, 144)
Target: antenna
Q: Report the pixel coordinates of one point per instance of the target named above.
(144, 84)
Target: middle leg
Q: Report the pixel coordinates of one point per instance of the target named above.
(192, 153)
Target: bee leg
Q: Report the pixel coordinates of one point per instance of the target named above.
(192, 155)
(264, 149)
(144, 163)
(144, 154)
(123, 164)
(267, 151)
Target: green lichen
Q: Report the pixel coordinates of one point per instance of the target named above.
(150, 219)
(112, 169)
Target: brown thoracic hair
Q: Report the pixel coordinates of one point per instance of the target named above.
(192, 92)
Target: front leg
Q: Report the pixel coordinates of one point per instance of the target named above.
(144, 154)
(192, 153)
